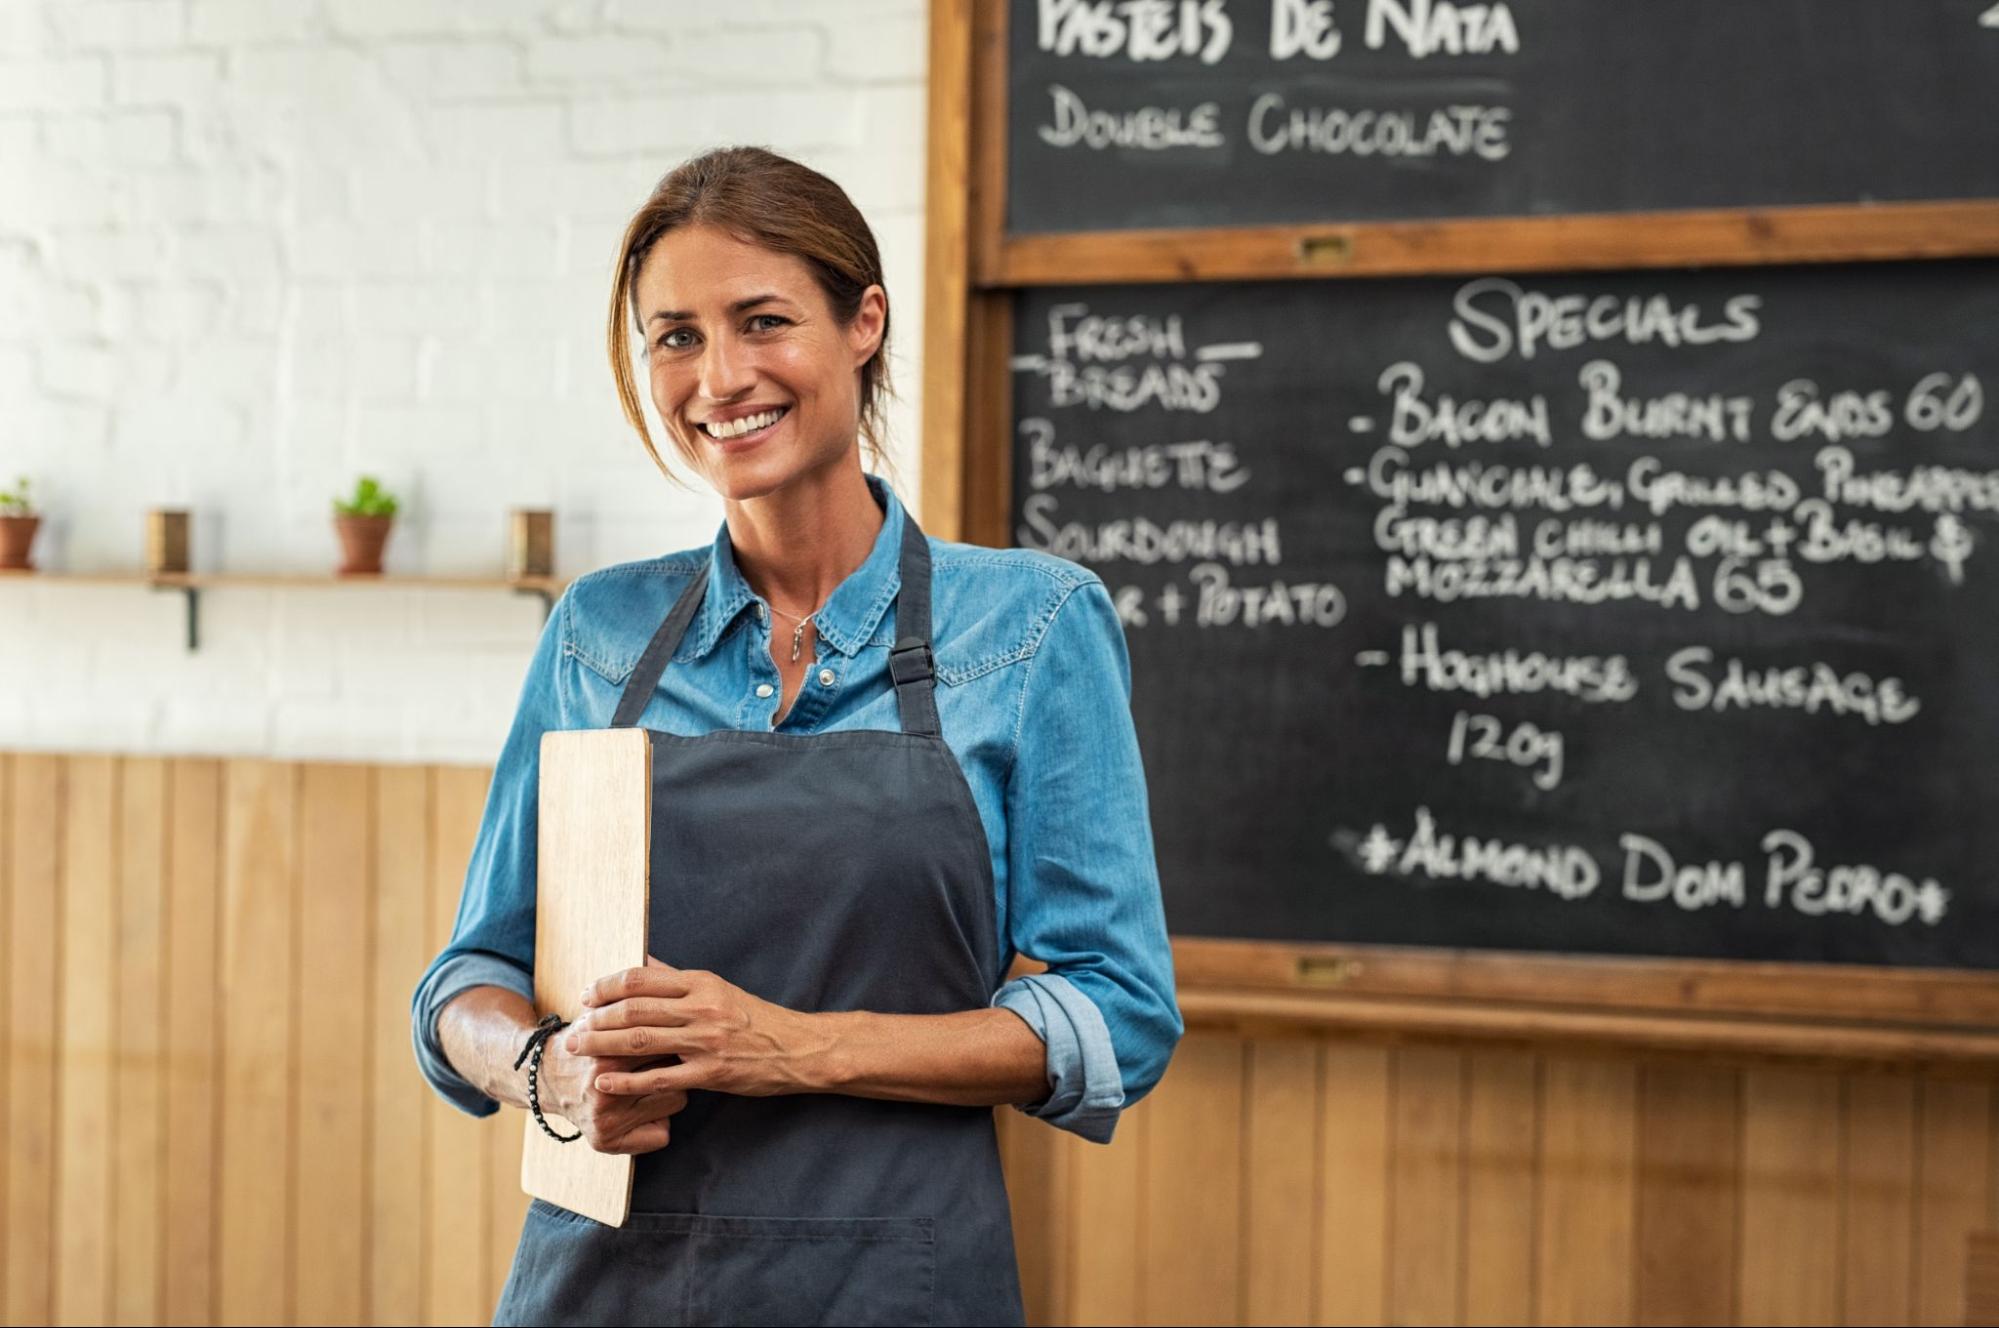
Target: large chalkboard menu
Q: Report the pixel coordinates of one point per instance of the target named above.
(1194, 113)
(1639, 613)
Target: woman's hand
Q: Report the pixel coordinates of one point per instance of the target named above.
(727, 1040)
(610, 1122)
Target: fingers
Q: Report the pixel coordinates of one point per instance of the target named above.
(637, 1125)
(633, 1011)
(658, 1106)
(608, 1119)
(615, 1114)
(565, 1077)
(637, 1083)
(652, 979)
(644, 1040)
(647, 1138)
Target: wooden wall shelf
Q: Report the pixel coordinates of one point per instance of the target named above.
(191, 584)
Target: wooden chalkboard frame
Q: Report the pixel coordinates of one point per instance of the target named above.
(1943, 1018)
(1947, 229)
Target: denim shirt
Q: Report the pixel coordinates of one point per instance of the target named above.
(1034, 692)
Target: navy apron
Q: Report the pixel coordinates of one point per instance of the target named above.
(829, 871)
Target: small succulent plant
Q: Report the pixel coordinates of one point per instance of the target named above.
(17, 501)
(370, 499)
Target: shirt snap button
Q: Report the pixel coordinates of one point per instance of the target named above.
(825, 677)
(764, 689)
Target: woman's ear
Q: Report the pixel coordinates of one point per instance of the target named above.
(864, 333)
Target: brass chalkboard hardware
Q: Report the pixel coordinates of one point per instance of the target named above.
(1326, 970)
(1325, 250)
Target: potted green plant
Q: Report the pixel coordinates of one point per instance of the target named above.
(18, 522)
(363, 523)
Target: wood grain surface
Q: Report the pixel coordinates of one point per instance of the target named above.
(1293, 1177)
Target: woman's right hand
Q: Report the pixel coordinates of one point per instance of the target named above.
(610, 1122)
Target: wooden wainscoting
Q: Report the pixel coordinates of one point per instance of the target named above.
(1293, 1181)
(213, 1111)
(212, 1114)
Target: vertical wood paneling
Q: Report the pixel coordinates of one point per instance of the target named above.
(1588, 1194)
(1280, 1182)
(1354, 1162)
(6, 993)
(330, 1199)
(1992, 1183)
(6, 1025)
(139, 1146)
(1108, 1184)
(1193, 1185)
(1688, 1147)
(194, 1024)
(1952, 1192)
(258, 991)
(213, 1115)
(397, 1095)
(89, 984)
(1878, 1200)
(1790, 1211)
(34, 857)
(1426, 1174)
(1502, 1105)
(457, 1209)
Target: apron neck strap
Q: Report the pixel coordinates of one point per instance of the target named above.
(910, 662)
(652, 664)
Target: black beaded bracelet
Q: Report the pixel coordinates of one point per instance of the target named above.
(550, 1025)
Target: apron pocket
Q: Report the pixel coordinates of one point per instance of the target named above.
(784, 1270)
(570, 1269)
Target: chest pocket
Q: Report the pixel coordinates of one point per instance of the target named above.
(609, 614)
(613, 675)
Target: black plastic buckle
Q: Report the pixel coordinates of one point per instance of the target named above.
(911, 661)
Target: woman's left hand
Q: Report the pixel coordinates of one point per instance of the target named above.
(728, 1041)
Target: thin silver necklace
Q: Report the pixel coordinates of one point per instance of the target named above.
(798, 632)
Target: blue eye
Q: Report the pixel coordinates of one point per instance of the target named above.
(775, 318)
(666, 338)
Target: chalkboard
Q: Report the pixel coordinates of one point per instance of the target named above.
(1647, 613)
(1245, 112)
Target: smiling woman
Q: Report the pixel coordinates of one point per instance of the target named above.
(804, 272)
(853, 837)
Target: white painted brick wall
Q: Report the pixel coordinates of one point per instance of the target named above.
(252, 248)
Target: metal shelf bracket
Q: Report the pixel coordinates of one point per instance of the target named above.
(542, 593)
(192, 597)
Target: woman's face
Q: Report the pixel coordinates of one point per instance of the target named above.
(734, 333)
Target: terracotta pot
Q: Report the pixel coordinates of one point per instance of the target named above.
(362, 539)
(17, 533)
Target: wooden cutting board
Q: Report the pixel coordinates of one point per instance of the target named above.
(590, 919)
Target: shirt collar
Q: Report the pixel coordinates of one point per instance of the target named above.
(851, 613)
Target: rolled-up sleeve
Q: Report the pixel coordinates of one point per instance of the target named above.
(492, 940)
(1083, 883)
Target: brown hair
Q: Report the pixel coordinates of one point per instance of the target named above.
(784, 206)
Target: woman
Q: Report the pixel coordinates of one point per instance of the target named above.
(900, 761)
